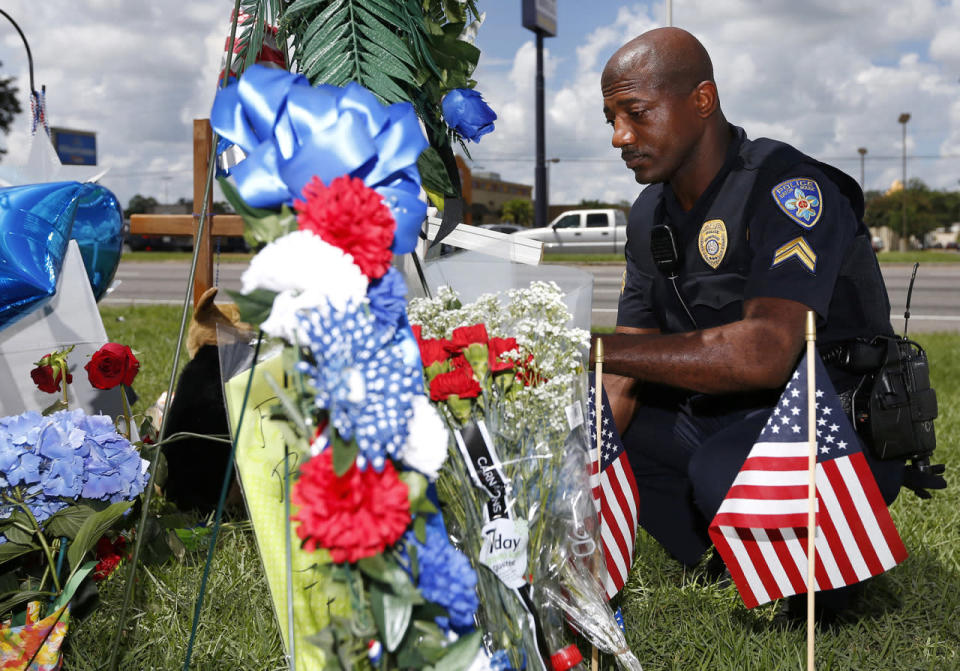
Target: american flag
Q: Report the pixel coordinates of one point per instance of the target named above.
(615, 497)
(760, 529)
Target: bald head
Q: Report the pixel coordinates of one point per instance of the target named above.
(667, 59)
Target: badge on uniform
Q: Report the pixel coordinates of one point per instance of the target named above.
(800, 199)
(713, 242)
(798, 249)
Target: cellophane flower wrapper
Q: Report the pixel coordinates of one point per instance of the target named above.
(527, 421)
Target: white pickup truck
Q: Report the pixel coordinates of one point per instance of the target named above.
(582, 232)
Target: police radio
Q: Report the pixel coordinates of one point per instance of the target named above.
(894, 406)
(666, 257)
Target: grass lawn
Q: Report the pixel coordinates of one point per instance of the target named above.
(225, 257)
(907, 618)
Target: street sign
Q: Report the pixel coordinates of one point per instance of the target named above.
(75, 147)
(540, 16)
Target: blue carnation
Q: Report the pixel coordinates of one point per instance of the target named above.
(465, 111)
(363, 378)
(388, 298)
(446, 577)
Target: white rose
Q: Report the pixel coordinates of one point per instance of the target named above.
(426, 447)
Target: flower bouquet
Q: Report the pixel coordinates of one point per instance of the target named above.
(359, 443)
(66, 478)
(507, 375)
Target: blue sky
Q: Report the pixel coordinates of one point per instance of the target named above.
(825, 76)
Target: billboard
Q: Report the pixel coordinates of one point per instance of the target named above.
(75, 147)
(540, 16)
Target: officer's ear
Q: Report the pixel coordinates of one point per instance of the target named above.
(706, 100)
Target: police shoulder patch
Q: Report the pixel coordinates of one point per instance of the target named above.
(798, 249)
(800, 199)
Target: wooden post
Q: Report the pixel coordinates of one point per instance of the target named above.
(189, 224)
(202, 142)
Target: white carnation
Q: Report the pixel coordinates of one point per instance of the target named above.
(306, 272)
(426, 447)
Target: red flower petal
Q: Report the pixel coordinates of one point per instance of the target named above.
(349, 215)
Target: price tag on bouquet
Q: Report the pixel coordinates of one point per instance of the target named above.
(504, 550)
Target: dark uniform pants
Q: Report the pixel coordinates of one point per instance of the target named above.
(685, 453)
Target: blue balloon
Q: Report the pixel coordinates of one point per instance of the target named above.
(36, 223)
(98, 230)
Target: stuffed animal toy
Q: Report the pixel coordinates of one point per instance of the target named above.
(195, 466)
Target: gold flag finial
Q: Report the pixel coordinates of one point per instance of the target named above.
(811, 325)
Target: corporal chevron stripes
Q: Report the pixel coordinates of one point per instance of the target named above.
(798, 249)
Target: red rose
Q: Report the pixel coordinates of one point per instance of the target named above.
(111, 365)
(354, 516)
(458, 382)
(463, 336)
(497, 347)
(349, 215)
(47, 380)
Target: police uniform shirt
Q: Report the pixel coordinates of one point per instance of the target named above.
(760, 229)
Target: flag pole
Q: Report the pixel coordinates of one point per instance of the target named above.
(811, 337)
(598, 425)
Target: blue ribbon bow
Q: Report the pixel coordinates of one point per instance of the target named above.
(292, 131)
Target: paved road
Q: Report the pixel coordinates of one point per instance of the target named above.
(935, 305)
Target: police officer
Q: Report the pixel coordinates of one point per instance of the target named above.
(727, 249)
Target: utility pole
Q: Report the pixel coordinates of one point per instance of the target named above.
(863, 152)
(903, 119)
(540, 16)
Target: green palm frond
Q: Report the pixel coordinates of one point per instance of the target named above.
(250, 34)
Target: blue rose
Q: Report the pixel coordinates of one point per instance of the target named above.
(465, 111)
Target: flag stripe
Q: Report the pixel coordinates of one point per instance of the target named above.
(760, 528)
(627, 484)
(892, 539)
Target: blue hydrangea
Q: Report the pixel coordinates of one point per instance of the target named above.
(445, 575)
(69, 455)
(363, 378)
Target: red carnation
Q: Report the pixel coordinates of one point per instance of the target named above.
(354, 516)
(416, 328)
(48, 380)
(464, 336)
(497, 347)
(109, 555)
(111, 365)
(349, 215)
(433, 350)
(458, 382)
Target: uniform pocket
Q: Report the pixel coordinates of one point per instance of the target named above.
(716, 292)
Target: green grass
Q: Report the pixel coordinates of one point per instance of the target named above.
(583, 258)
(926, 256)
(226, 257)
(907, 618)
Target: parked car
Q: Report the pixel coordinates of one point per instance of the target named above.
(135, 242)
(582, 232)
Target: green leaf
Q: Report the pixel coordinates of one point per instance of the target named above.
(392, 615)
(344, 454)
(459, 655)
(426, 642)
(254, 307)
(11, 602)
(14, 528)
(58, 405)
(385, 37)
(269, 228)
(71, 587)
(417, 492)
(92, 529)
(11, 550)
(420, 528)
(68, 521)
(391, 576)
(433, 173)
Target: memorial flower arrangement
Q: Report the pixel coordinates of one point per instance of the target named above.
(342, 197)
(66, 478)
(507, 374)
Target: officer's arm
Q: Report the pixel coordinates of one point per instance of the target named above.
(758, 352)
(622, 391)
